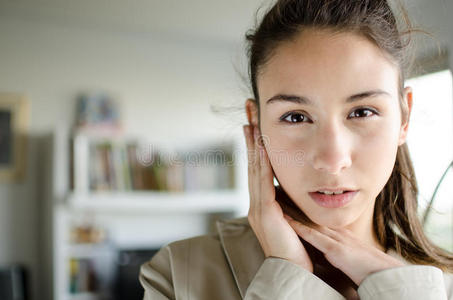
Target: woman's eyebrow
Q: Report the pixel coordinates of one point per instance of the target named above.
(289, 98)
(306, 101)
(368, 94)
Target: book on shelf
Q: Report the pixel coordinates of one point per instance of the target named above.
(82, 276)
(122, 165)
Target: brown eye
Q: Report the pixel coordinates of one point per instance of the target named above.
(363, 113)
(294, 117)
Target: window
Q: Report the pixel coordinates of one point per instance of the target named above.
(430, 142)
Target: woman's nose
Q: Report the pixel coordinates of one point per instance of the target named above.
(331, 150)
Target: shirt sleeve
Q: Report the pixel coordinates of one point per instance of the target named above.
(281, 279)
(155, 277)
(405, 282)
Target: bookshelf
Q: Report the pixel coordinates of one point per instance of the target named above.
(127, 213)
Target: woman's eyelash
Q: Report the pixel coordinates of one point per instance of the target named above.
(293, 114)
(374, 112)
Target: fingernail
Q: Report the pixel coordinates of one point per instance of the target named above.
(255, 133)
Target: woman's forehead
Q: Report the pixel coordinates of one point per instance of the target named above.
(318, 60)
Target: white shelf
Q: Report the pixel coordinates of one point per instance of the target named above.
(85, 296)
(87, 250)
(160, 202)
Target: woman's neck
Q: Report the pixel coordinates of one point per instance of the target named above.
(363, 229)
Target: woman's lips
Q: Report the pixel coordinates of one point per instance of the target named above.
(333, 201)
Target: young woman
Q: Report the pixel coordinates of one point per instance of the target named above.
(328, 120)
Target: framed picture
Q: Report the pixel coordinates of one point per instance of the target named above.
(13, 136)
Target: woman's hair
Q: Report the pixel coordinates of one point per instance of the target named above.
(395, 221)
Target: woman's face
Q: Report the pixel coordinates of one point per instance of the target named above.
(330, 117)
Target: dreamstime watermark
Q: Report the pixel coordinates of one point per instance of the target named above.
(147, 155)
(277, 157)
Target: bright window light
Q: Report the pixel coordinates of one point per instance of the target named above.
(430, 142)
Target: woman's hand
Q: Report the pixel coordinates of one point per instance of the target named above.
(344, 251)
(276, 236)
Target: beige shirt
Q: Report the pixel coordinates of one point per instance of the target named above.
(230, 265)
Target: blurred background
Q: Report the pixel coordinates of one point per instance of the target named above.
(121, 130)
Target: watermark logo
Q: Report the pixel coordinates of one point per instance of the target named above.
(147, 155)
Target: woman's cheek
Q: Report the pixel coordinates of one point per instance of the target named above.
(290, 169)
(381, 140)
(285, 155)
(376, 157)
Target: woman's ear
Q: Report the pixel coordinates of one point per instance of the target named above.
(251, 108)
(407, 108)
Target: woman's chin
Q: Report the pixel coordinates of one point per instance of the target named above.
(334, 222)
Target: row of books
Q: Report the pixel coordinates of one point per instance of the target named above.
(82, 277)
(126, 166)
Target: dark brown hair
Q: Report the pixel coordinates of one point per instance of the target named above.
(395, 221)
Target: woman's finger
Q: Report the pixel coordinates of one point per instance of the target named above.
(253, 167)
(266, 174)
(320, 240)
(250, 145)
(334, 234)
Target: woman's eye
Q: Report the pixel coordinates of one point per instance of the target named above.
(294, 117)
(362, 113)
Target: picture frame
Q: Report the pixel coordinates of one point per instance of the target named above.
(13, 136)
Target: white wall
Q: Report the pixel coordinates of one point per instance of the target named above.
(165, 85)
